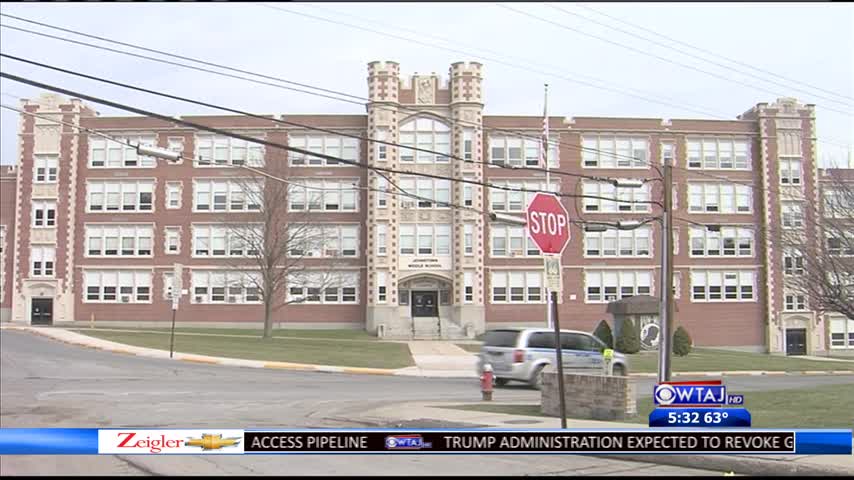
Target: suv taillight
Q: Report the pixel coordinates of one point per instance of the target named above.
(518, 356)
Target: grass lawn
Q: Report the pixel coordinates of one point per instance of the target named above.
(710, 360)
(474, 348)
(817, 407)
(340, 334)
(322, 351)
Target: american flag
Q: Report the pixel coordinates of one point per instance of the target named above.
(545, 147)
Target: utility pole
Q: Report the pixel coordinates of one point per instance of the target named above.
(665, 346)
(545, 147)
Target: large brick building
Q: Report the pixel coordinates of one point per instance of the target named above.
(92, 230)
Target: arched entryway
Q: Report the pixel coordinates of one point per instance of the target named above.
(429, 300)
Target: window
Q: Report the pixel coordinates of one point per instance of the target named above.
(501, 200)
(382, 188)
(468, 144)
(793, 262)
(323, 288)
(324, 195)
(838, 204)
(608, 151)
(381, 287)
(468, 239)
(173, 240)
(468, 287)
(619, 243)
(790, 172)
(382, 232)
(124, 196)
(668, 153)
(511, 241)
(219, 150)
(225, 286)
(44, 213)
(841, 244)
(175, 144)
(381, 148)
(117, 286)
(468, 191)
(425, 134)
(719, 198)
(227, 196)
(426, 192)
(45, 168)
(337, 146)
(105, 153)
(795, 303)
(793, 214)
(119, 240)
(624, 199)
(325, 240)
(173, 195)
(604, 286)
(425, 239)
(521, 152)
(719, 153)
(728, 242)
(42, 260)
(517, 287)
(722, 285)
(841, 333)
(225, 241)
(677, 285)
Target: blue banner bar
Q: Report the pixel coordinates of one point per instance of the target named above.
(823, 442)
(699, 417)
(48, 441)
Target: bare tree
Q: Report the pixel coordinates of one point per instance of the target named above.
(823, 251)
(274, 245)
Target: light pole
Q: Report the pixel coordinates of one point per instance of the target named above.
(665, 344)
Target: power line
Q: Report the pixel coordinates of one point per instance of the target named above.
(744, 64)
(659, 57)
(218, 131)
(190, 67)
(655, 42)
(285, 122)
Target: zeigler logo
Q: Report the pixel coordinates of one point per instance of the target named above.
(127, 441)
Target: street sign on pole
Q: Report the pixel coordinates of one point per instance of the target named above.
(552, 264)
(177, 285)
(548, 223)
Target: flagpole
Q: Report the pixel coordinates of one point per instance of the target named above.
(545, 148)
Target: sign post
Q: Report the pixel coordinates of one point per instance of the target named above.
(177, 285)
(548, 226)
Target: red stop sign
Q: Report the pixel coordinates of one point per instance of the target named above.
(548, 223)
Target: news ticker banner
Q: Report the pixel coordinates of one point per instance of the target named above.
(91, 441)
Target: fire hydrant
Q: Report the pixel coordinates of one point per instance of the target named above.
(486, 382)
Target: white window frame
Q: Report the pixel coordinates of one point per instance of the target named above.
(208, 280)
(508, 233)
(709, 239)
(791, 214)
(468, 144)
(125, 156)
(795, 267)
(422, 189)
(434, 231)
(726, 276)
(531, 283)
(468, 287)
(530, 151)
(794, 302)
(382, 239)
(137, 282)
(617, 238)
(720, 193)
(176, 188)
(45, 207)
(382, 288)
(45, 167)
(468, 239)
(623, 278)
(171, 231)
(791, 171)
(697, 158)
(501, 200)
(428, 134)
(339, 146)
(45, 257)
(122, 188)
(847, 332)
(122, 232)
(233, 190)
(382, 151)
(345, 280)
(208, 146)
(633, 200)
(316, 192)
(224, 236)
(608, 151)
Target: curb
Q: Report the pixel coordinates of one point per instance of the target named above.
(740, 465)
(305, 367)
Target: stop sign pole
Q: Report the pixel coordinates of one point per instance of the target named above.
(548, 225)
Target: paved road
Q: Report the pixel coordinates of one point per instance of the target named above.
(44, 383)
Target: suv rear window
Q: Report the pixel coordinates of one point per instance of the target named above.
(501, 338)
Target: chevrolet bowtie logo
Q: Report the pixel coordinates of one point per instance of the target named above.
(212, 442)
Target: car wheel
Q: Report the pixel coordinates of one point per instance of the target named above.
(500, 382)
(536, 381)
(619, 371)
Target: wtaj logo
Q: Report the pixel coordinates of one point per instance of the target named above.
(706, 393)
(406, 442)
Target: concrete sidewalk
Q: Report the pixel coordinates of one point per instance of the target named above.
(433, 415)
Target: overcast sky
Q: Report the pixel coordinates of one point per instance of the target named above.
(809, 43)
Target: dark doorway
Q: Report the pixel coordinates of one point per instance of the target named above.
(796, 341)
(425, 304)
(42, 311)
